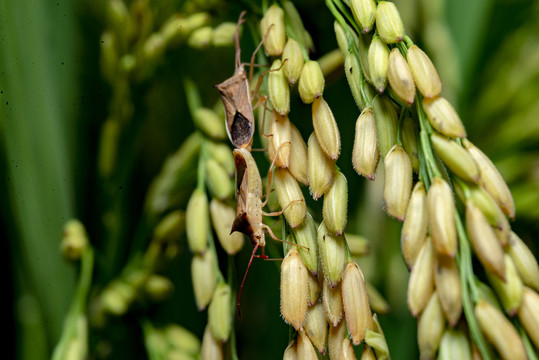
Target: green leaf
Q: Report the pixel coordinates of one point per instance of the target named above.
(38, 88)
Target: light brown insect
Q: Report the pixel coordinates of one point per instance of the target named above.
(249, 214)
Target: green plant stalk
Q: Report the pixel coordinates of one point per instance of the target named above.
(403, 48)
(428, 170)
(425, 131)
(291, 33)
(530, 351)
(347, 14)
(464, 255)
(423, 171)
(352, 47)
(470, 293)
(78, 306)
(349, 257)
(464, 187)
(148, 330)
(399, 127)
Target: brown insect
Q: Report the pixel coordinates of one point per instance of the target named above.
(236, 97)
(249, 205)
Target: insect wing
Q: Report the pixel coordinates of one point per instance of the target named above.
(238, 109)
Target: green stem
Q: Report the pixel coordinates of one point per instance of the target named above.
(336, 14)
(352, 47)
(291, 33)
(87, 268)
(402, 48)
(423, 172)
(464, 187)
(348, 253)
(470, 293)
(466, 256)
(78, 306)
(532, 355)
(469, 289)
(148, 330)
(432, 167)
(424, 142)
(399, 126)
(347, 14)
(408, 41)
(428, 170)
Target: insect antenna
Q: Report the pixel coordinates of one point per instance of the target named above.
(251, 68)
(237, 39)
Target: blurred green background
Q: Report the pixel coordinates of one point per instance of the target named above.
(54, 102)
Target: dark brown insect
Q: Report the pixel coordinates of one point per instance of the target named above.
(236, 98)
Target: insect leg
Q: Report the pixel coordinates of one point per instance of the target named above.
(255, 65)
(264, 99)
(260, 101)
(237, 39)
(270, 232)
(245, 277)
(261, 78)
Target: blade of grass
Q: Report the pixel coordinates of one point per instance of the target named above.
(37, 82)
